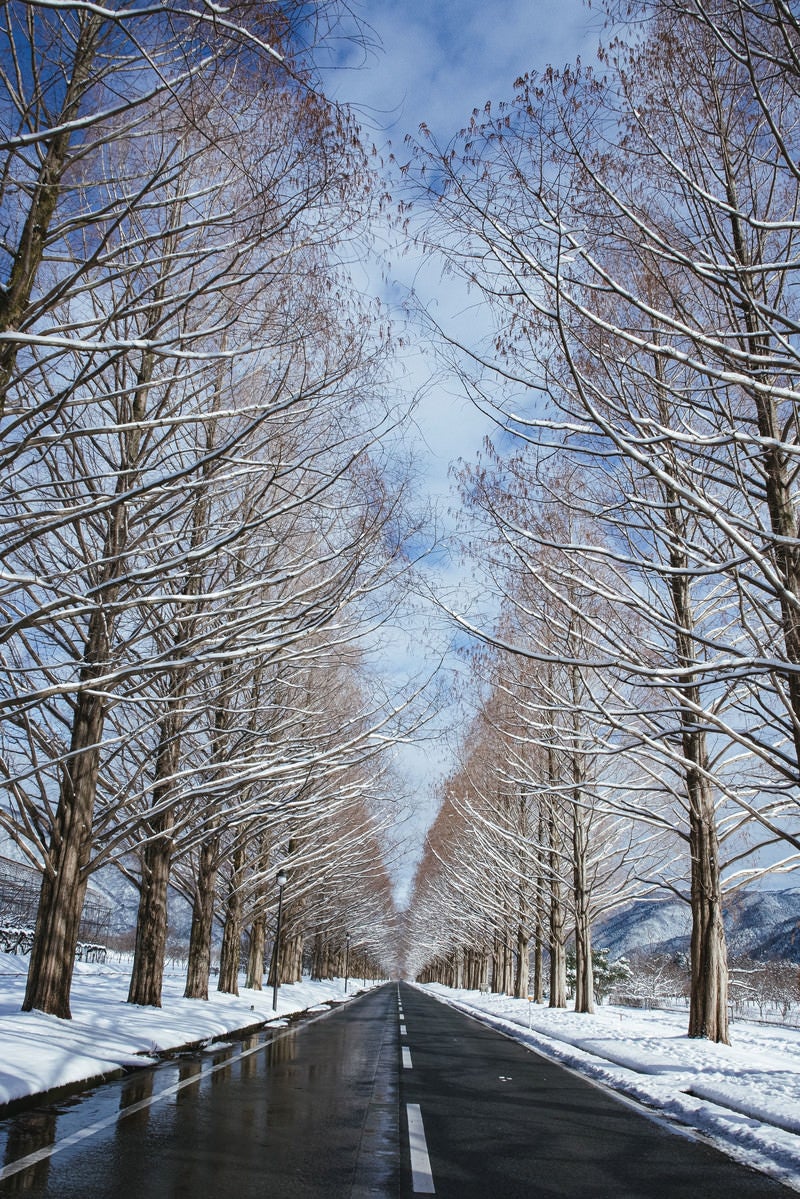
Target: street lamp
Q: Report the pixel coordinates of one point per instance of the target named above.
(281, 881)
(346, 959)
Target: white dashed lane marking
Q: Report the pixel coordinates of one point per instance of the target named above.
(406, 1058)
(421, 1175)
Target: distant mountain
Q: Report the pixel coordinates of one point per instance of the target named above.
(123, 899)
(759, 924)
(651, 924)
(765, 924)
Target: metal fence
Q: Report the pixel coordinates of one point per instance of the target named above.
(19, 901)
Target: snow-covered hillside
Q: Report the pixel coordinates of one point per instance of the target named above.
(759, 924)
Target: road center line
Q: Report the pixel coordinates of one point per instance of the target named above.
(406, 1058)
(421, 1175)
(403, 1030)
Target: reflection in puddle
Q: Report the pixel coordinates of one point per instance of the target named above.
(27, 1133)
(282, 1050)
(250, 1065)
(189, 1068)
(137, 1089)
(225, 1055)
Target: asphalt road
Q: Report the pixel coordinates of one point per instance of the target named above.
(388, 1097)
(500, 1121)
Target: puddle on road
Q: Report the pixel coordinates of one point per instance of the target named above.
(36, 1125)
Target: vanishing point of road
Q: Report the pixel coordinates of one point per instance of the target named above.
(391, 1095)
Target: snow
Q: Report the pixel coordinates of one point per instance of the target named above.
(744, 1097)
(39, 1053)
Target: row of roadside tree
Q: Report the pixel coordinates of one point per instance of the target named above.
(634, 235)
(203, 514)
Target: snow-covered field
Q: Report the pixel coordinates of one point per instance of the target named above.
(745, 1097)
(39, 1052)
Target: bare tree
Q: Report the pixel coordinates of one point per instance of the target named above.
(188, 341)
(634, 237)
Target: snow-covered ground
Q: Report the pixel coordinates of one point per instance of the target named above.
(745, 1097)
(38, 1052)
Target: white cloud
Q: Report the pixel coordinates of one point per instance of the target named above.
(442, 59)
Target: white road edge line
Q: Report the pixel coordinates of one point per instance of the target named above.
(406, 1058)
(421, 1175)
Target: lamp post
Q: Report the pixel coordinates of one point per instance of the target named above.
(281, 881)
(346, 960)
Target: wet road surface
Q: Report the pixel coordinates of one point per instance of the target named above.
(391, 1096)
(311, 1112)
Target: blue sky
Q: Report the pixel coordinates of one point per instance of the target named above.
(439, 60)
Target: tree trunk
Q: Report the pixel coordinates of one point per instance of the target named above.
(56, 934)
(474, 980)
(275, 968)
(523, 965)
(317, 958)
(558, 959)
(64, 881)
(258, 928)
(199, 966)
(325, 959)
(151, 927)
(558, 953)
(231, 951)
(584, 978)
(708, 1008)
(147, 975)
(291, 960)
(538, 973)
(255, 958)
(708, 1003)
(298, 957)
(496, 981)
(508, 965)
